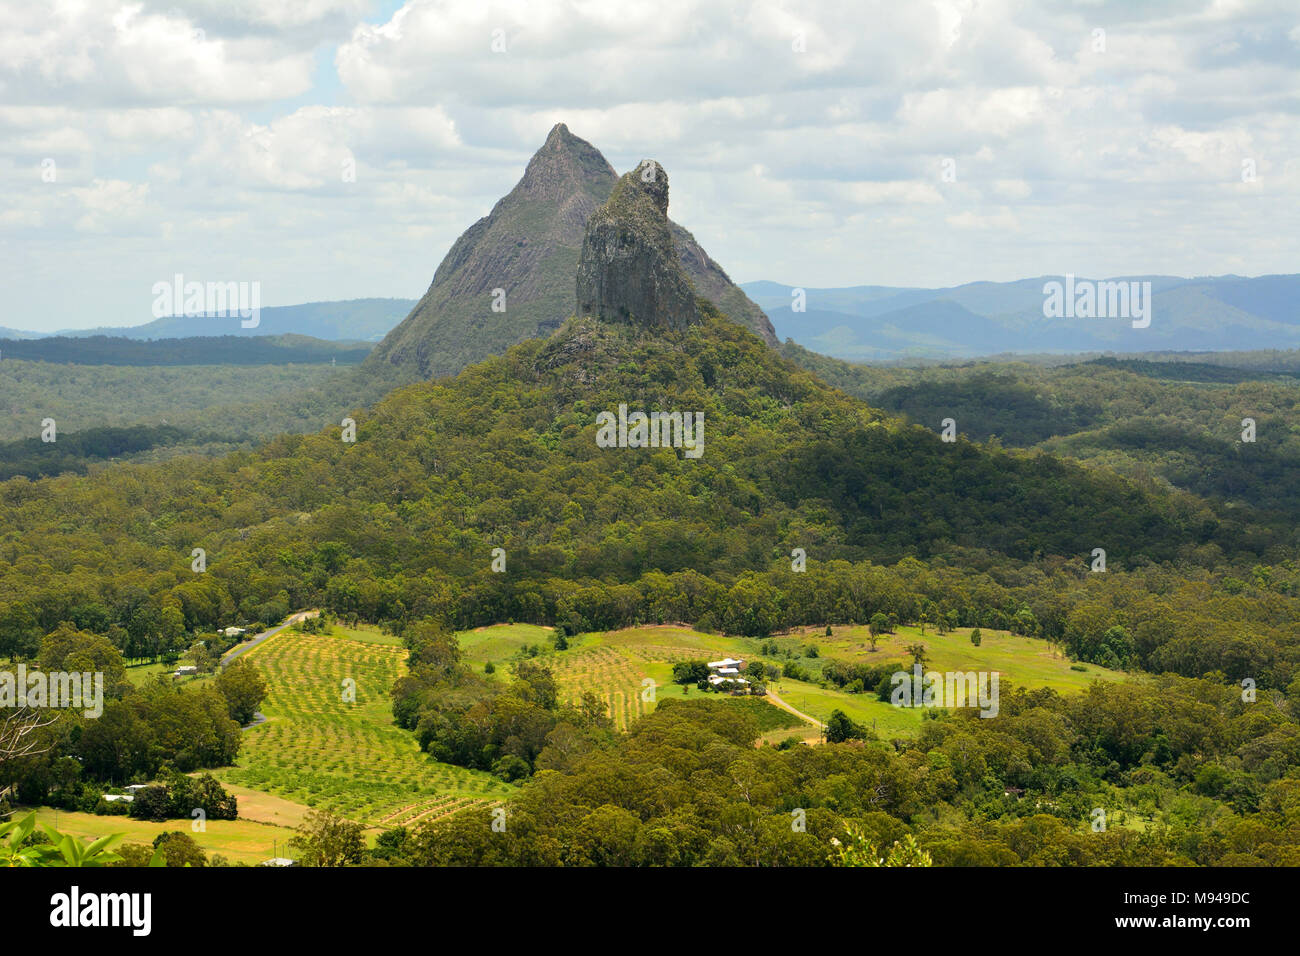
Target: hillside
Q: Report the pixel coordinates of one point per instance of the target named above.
(401, 524)
(1180, 421)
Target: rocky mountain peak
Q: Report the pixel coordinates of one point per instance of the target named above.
(529, 246)
(564, 165)
(629, 269)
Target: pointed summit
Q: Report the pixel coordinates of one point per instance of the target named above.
(563, 166)
(510, 276)
(629, 270)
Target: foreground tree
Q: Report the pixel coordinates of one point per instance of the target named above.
(840, 728)
(326, 839)
(244, 688)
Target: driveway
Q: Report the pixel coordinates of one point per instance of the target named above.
(773, 698)
(288, 622)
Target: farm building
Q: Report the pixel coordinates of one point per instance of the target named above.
(718, 679)
(725, 674)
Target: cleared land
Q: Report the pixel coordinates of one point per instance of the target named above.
(616, 664)
(322, 750)
(239, 841)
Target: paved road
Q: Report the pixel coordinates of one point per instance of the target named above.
(771, 696)
(288, 621)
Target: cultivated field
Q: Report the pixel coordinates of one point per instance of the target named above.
(616, 664)
(1024, 661)
(320, 749)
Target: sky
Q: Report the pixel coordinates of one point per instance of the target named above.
(333, 149)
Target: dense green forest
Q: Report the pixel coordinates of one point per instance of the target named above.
(401, 524)
(193, 409)
(1174, 772)
(1177, 422)
(400, 527)
(76, 452)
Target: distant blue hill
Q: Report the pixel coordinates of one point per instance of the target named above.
(350, 320)
(1219, 313)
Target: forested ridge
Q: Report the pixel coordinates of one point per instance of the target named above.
(503, 456)
(1178, 421)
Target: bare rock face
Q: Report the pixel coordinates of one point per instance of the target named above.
(528, 247)
(629, 269)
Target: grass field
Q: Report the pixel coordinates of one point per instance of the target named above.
(140, 674)
(320, 750)
(1026, 661)
(616, 664)
(240, 841)
(500, 642)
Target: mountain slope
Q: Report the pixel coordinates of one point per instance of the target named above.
(528, 246)
(504, 455)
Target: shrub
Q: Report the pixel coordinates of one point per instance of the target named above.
(111, 808)
(151, 803)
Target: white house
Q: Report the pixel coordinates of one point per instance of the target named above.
(727, 671)
(118, 798)
(235, 631)
(186, 670)
(716, 679)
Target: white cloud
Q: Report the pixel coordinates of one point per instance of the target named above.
(210, 136)
(104, 53)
